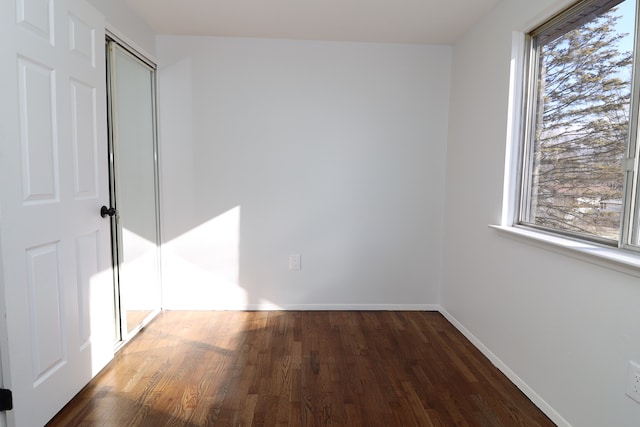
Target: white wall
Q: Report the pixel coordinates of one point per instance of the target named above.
(332, 150)
(127, 25)
(565, 328)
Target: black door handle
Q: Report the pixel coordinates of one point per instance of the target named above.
(105, 211)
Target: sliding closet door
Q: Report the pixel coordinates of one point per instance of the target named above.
(134, 186)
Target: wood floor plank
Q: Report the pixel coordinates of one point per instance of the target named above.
(339, 368)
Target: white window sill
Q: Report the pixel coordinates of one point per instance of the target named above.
(627, 262)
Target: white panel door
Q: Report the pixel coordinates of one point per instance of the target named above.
(57, 281)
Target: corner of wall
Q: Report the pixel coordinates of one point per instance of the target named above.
(511, 375)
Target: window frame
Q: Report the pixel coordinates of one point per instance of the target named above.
(629, 236)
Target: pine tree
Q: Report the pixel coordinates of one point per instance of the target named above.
(582, 126)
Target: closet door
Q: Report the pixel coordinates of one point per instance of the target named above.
(134, 186)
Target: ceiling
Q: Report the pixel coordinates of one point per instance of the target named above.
(385, 21)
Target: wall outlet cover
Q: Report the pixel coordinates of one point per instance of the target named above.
(295, 262)
(633, 381)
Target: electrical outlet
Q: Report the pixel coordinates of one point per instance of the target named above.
(633, 381)
(295, 262)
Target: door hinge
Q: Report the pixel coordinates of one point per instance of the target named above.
(6, 400)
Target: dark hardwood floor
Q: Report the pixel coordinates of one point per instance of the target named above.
(300, 369)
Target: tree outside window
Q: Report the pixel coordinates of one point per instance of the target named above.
(579, 115)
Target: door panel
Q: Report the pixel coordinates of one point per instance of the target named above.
(88, 266)
(84, 140)
(37, 16)
(82, 40)
(36, 103)
(45, 310)
(57, 279)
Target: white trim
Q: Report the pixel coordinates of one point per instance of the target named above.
(269, 306)
(545, 14)
(515, 379)
(514, 128)
(616, 259)
(355, 307)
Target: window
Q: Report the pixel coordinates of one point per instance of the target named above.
(579, 167)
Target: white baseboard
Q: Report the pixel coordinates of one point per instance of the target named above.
(349, 307)
(515, 379)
